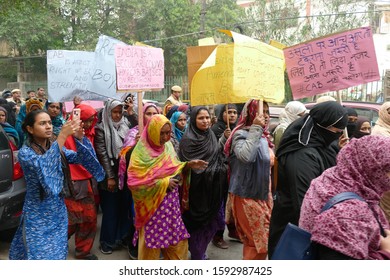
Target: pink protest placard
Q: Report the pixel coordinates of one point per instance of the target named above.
(93, 103)
(139, 68)
(332, 63)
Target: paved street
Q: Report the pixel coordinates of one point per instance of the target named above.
(234, 252)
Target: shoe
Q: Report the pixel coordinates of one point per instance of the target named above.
(121, 244)
(220, 243)
(234, 235)
(133, 254)
(88, 257)
(105, 249)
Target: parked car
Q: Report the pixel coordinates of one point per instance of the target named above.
(366, 109)
(12, 184)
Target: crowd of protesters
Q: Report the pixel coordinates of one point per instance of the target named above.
(170, 185)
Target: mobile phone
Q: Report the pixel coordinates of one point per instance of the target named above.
(76, 114)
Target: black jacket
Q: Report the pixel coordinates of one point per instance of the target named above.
(101, 152)
(295, 172)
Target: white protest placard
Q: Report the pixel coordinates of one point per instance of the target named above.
(103, 78)
(68, 74)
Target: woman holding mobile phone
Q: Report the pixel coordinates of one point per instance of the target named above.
(43, 230)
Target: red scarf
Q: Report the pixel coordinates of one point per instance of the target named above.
(77, 171)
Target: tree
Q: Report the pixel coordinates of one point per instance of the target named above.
(175, 24)
(286, 21)
(29, 28)
(32, 27)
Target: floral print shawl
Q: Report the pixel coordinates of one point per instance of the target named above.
(151, 166)
(350, 227)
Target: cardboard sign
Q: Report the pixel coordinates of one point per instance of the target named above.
(196, 56)
(238, 72)
(139, 68)
(332, 63)
(68, 74)
(103, 76)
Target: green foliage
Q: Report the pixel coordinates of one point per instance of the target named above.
(31, 29)
(280, 20)
(159, 26)
(175, 24)
(274, 20)
(33, 26)
(8, 70)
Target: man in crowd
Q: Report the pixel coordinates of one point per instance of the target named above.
(16, 98)
(173, 99)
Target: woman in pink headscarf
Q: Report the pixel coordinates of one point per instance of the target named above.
(351, 229)
(131, 139)
(382, 127)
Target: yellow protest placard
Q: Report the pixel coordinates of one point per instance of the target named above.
(209, 41)
(237, 72)
(277, 44)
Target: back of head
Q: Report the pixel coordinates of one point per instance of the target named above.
(293, 110)
(171, 111)
(367, 161)
(6, 93)
(351, 111)
(325, 98)
(32, 103)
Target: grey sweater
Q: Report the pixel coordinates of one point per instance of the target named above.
(250, 164)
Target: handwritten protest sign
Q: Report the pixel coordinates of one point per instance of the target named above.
(103, 78)
(68, 74)
(139, 67)
(332, 63)
(237, 72)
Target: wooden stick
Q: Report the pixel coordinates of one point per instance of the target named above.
(260, 106)
(340, 101)
(140, 113)
(227, 115)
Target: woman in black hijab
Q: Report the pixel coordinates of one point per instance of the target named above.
(363, 127)
(221, 125)
(304, 153)
(204, 214)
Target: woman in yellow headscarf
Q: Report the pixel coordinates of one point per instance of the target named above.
(151, 179)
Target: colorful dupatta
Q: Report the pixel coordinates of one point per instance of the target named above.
(151, 166)
(129, 143)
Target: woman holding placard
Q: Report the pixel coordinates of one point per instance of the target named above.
(250, 160)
